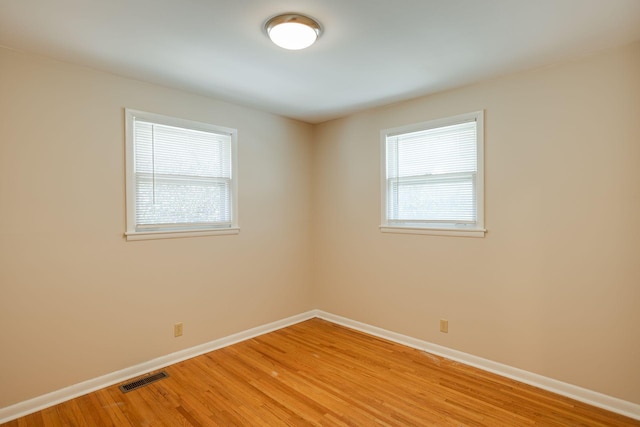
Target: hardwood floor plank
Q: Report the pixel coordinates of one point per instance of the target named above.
(316, 373)
(109, 406)
(50, 417)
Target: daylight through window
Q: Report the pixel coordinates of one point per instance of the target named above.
(433, 177)
(180, 177)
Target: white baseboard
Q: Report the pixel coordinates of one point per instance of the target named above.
(581, 394)
(50, 399)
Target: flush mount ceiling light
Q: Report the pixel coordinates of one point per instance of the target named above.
(292, 31)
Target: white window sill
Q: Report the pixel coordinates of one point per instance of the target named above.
(458, 232)
(153, 235)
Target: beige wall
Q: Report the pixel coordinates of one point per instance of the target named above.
(554, 287)
(76, 300)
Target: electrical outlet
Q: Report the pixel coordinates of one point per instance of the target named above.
(177, 329)
(444, 326)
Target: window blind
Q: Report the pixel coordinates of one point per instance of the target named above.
(182, 177)
(432, 175)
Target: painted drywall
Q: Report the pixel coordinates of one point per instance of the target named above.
(76, 300)
(554, 287)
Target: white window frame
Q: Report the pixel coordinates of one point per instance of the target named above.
(451, 229)
(132, 233)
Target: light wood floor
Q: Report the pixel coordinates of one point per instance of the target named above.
(318, 373)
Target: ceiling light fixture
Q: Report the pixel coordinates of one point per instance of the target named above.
(293, 31)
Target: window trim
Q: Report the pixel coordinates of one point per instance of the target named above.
(130, 180)
(477, 231)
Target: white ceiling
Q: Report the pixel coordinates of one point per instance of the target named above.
(373, 52)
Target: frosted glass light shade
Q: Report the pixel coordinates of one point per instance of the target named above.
(293, 32)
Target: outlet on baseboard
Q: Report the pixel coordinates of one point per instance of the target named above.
(444, 326)
(177, 329)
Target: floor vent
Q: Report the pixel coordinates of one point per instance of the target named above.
(141, 382)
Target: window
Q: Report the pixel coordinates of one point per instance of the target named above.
(432, 177)
(181, 178)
